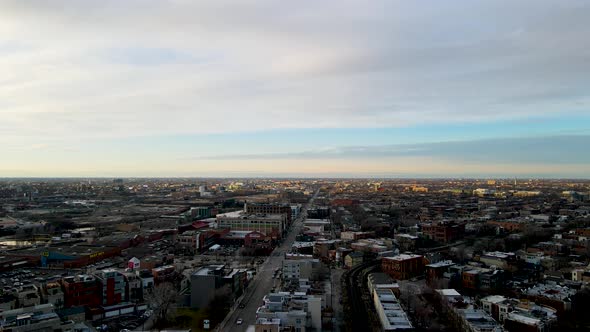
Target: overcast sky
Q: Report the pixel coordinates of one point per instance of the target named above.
(342, 88)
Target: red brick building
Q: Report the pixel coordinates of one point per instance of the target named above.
(403, 266)
(443, 232)
(82, 290)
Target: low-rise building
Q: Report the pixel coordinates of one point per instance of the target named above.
(503, 260)
(28, 295)
(81, 290)
(519, 315)
(477, 320)
(554, 296)
(210, 280)
(300, 268)
(443, 232)
(298, 311)
(274, 225)
(436, 271)
(267, 325)
(36, 318)
(404, 266)
(353, 259)
(113, 286)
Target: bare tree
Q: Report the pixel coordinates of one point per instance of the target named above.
(161, 299)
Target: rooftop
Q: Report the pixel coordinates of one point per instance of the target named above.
(441, 264)
(403, 257)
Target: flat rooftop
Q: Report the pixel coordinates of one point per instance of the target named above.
(403, 257)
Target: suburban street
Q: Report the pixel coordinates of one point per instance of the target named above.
(263, 283)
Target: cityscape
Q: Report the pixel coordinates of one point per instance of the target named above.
(294, 255)
(294, 166)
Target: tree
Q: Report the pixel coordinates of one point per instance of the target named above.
(162, 299)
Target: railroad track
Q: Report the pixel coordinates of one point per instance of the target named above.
(355, 283)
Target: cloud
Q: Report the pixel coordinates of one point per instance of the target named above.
(554, 150)
(104, 69)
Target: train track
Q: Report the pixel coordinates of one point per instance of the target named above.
(355, 283)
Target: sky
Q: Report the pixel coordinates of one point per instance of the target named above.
(295, 88)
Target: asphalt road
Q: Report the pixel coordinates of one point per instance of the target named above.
(262, 284)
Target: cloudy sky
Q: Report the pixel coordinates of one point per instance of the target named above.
(295, 88)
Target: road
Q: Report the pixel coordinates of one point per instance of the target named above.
(262, 284)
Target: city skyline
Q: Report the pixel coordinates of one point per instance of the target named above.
(264, 88)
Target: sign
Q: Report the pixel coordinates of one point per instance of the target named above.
(96, 254)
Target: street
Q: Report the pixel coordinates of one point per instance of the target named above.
(262, 284)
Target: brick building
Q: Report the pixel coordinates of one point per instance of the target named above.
(403, 266)
(443, 232)
(81, 290)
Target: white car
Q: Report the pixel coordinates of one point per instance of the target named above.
(239, 321)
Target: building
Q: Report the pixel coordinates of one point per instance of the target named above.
(391, 315)
(270, 208)
(147, 279)
(483, 192)
(113, 286)
(37, 318)
(479, 278)
(274, 225)
(503, 260)
(188, 241)
(210, 280)
(163, 273)
(201, 212)
(353, 236)
(81, 290)
(72, 256)
(406, 242)
(443, 232)
(450, 295)
(404, 266)
(519, 315)
(300, 268)
(436, 271)
(134, 263)
(53, 294)
(134, 287)
(267, 325)
(295, 211)
(375, 246)
(476, 320)
(554, 296)
(298, 311)
(27, 295)
(315, 226)
(353, 259)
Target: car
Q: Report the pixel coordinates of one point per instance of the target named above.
(239, 321)
(242, 306)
